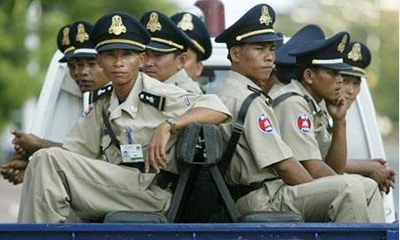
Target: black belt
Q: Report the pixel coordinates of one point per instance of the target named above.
(239, 190)
(164, 179)
(138, 165)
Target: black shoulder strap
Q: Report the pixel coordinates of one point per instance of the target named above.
(99, 93)
(238, 127)
(276, 101)
(114, 140)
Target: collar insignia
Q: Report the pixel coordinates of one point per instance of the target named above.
(117, 26)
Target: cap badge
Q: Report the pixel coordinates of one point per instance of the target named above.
(265, 17)
(186, 22)
(153, 24)
(117, 26)
(81, 36)
(65, 40)
(355, 53)
(342, 44)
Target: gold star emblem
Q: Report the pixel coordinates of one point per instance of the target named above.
(117, 26)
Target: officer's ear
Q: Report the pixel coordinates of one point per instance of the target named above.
(182, 58)
(142, 59)
(234, 53)
(98, 60)
(308, 76)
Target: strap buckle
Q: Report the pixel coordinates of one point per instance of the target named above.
(238, 128)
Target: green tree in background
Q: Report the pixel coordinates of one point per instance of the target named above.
(16, 85)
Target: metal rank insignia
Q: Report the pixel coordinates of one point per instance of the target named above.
(81, 36)
(265, 17)
(186, 22)
(355, 53)
(117, 26)
(65, 40)
(153, 24)
(342, 44)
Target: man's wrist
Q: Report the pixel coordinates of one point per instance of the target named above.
(172, 123)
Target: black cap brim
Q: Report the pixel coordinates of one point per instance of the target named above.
(353, 73)
(116, 46)
(160, 47)
(336, 66)
(262, 38)
(66, 57)
(84, 55)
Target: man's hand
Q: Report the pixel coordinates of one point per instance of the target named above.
(14, 170)
(25, 143)
(385, 177)
(338, 108)
(156, 156)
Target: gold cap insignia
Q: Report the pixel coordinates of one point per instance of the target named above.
(265, 17)
(153, 24)
(65, 40)
(342, 44)
(81, 35)
(355, 53)
(117, 26)
(186, 22)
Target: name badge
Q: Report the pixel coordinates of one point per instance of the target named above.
(132, 153)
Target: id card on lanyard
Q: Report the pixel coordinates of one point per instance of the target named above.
(131, 153)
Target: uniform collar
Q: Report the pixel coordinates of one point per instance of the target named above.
(178, 77)
(130, 105)
(304, 92)
(241, 80)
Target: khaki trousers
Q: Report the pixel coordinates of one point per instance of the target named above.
(58, 181)
(340, 198)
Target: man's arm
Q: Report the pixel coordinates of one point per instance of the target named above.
(318, 168)
(156, 156)
(292, 172)
(27, 143)
(337, 154)
(376, 169)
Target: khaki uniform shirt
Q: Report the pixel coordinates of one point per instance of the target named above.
(90, 137)
(182, 80)
(260, 145)
(304, 125)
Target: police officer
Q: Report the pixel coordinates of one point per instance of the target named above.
(140, 117)
(270, 178)
(167, 52)
(201, 48)
(74, 41)
(285, 64)
(299, 108)
(358, 56)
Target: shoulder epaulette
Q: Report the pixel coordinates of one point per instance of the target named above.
(153, 100)
(100, 92)
(260, 92)
(276, 101)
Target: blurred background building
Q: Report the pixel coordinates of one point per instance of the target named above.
(29, 27)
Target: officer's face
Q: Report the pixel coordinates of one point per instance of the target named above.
(254, 61)
(121, 67)
(351, 87)
(193, 68)
(90, 75)
(73, 69)
(325, 83)
(162, 66)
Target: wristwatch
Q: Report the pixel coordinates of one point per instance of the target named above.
(172, 122)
